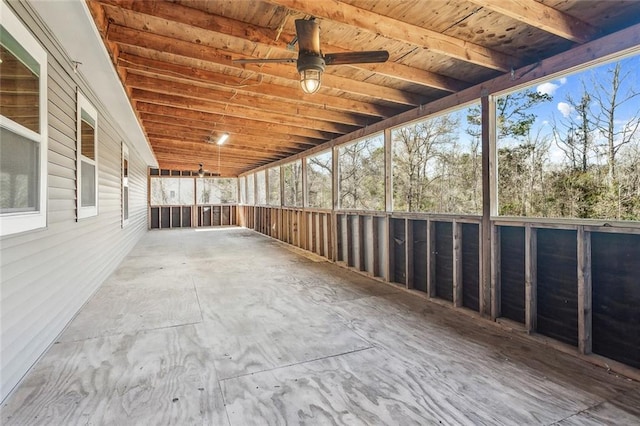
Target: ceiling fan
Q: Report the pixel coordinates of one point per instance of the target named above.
(311, 62)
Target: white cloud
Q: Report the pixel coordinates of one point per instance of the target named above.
(563, 80)
(547, 88)
(565, 109)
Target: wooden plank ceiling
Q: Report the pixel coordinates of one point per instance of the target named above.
(175, 61)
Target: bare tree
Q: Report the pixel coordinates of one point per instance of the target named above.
(609, 96)
(416, 150)
(574, 134)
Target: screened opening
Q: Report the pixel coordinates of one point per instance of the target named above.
(361, 176)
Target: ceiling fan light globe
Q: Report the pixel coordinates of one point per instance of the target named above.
(310, 80)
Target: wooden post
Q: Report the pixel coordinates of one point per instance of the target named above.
(361, 244)
(388, 175)
(488, 291)
(334, 204)
(530, 274)
(303, 171)
(584, 291)
(431, 258)
(457, 264)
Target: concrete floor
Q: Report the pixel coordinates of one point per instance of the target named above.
(226, 326)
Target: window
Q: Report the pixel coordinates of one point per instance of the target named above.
(243, 189)
(261, 189)
(172, 191)
(570, 147)
(274, 186)
(217, 190)
(293, 184)
(23, 130)
(320, 180)
(125, 184)
(87, 162)
(251, 191)
(361, 174)
(437, 164)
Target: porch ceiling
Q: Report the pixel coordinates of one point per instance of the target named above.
(175, 60)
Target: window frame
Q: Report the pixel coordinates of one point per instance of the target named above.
(18, 222)
(307, 197)
(125, 184)
(84, 104)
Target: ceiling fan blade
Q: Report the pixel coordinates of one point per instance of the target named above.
(367, 57)
(264, 61)
(308, 33)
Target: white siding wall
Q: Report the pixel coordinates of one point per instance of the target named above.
(47, 275)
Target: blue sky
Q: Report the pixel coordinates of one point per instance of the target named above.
(560, 110)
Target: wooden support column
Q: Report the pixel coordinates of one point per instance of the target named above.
(334, 204)
(457, 264)
(431, 258)
(584, 291)
(303, 170)
(408, 252)
(530, 276)
(488, 291)
(388, 173)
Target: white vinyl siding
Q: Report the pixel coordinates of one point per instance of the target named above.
(47, 276)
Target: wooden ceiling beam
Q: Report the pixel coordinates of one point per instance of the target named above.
(219, 121)
(248, 141)
(132, 37)
(228, 128)
(230, 150)
(254, 85)
(237, 111)
(166, 161)
(392, 28)
(250, 101)
(539, 15)
(160, 146)
(228, 27)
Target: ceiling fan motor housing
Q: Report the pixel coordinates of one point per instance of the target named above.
(307, 61)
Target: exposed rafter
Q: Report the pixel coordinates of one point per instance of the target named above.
(392, 28)
(176, 61)
(542, 16)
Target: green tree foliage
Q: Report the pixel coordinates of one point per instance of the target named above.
(599, 177)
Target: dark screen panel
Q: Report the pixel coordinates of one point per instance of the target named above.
(512, 279)
(471, 266)
(398, 240)
(557, 285)
(444, 260)
(420, 255)
(615, 261)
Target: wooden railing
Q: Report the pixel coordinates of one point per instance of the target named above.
(164, 217)
(575, 284)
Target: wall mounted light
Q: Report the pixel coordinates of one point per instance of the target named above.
(201, 171)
